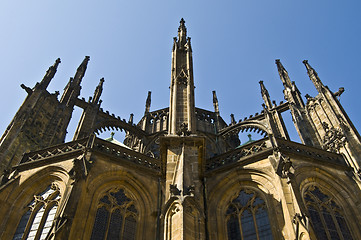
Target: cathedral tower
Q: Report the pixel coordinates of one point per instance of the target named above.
(42, 119)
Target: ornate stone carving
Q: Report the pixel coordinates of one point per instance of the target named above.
(189, 190)
(284, 166)
(334, 138)
(339, 92)
(183, 130)
(174, 190)
(80, 168)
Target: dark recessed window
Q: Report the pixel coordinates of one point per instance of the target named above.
(247, 217)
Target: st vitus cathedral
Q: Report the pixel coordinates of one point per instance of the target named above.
(181, 172)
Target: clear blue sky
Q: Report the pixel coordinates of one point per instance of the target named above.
(234, 45)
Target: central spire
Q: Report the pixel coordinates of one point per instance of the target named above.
(182, 109)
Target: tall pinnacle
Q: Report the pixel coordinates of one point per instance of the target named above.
(49, 74)
(98, 91)
(291, 92)
(313, 76)
(265, 95)
(215, 103)
(283, 74)
(182, 109)
(81, 70)
(148, 102)
(72, 89)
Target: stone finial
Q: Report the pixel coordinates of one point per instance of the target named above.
(249, 137)
(131, 118)
(233, 121)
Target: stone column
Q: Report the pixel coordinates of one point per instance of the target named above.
(183, 165)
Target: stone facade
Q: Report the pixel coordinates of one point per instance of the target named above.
(181, 172)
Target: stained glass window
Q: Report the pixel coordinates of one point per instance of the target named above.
(116, 217)
(38, 219)
(326, 216)
(247, 217)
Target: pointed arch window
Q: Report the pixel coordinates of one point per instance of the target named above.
(247, 217)
(326, 216)
(116, 217)
(36, 222)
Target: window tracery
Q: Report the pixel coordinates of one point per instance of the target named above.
(36, 222)
(326, 216)
(116, 217)
(247, 217)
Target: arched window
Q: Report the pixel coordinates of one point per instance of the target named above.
(116, 217)
(326, 216)
(247, 217)
(37, 221)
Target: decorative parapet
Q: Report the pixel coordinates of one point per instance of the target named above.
(253, 151)
(55, 151)
(75, 148)
(131, 156)
(309, 152)
(240, 154)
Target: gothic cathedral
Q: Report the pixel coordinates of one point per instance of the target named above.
(181, 172)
